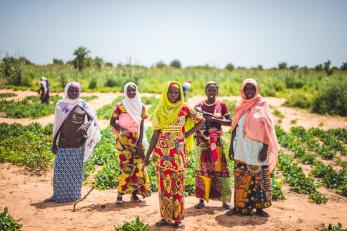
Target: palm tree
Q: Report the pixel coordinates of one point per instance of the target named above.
(81, 54)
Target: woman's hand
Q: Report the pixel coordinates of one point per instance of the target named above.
(231, 153)
(54, 149)
(146, 161)
(263, 153)
(140, 152)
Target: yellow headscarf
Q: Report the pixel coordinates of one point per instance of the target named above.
(167, 112)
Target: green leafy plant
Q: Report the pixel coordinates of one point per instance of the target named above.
(135, 225)
(8, 223)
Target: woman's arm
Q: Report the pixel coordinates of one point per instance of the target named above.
(195, 128)
(139, 150)
(153, 143)
(226, 121)
(114, 123)
(263, 153)
(54, 144)
(231, 147)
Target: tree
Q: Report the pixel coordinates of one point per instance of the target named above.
(294, 67)
(260, 67)
(319, 67)
(108, 64)
(282, 65)
(58, 61)
(160, 64)
(98, 62)
(327, 68)
(344, 67)
(81, 54)
(175, 63)
(229, 67)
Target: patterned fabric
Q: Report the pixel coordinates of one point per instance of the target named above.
(246, 150)
(169, 156)
(252, 187)
(68, 174)
(132, 176)
(218, 109)
(212, 178)
(171, 194)
(170, 150)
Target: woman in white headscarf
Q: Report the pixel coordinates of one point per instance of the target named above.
(75, 132)
(128, 127)
(44, 90)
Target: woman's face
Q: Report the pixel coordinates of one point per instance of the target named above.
(131, 91)
(173, 94)
(73, 92)
(249, 91)
(211, 91)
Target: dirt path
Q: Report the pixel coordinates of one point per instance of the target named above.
(292, 116)
(24, 194)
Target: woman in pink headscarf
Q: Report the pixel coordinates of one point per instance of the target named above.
(254, 149)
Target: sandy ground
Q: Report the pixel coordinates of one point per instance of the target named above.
(24, 195)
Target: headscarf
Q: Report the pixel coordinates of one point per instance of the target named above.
(167, 112)
(62, 111)
(44, 83)
(134, 108)
(259, 124)
(209, 83)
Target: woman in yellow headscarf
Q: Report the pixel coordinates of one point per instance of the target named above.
(174, 122)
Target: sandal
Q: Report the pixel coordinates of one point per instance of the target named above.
(261, 213)
(231, 212)
(119, 201)
(142, 201)
(200, 205)
(179, 225)
(49, 199)
(161, 223)
(226, 206)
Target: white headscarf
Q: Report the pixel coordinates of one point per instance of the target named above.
(44, 84)
(134, 107)
(62, 111)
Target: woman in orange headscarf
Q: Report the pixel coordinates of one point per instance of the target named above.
(254, 149)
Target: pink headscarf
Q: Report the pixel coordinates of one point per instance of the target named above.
(259, 124)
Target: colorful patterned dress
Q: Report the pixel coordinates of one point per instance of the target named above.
(252, 179)
(169, 156)
(132, 176)
(212, 176)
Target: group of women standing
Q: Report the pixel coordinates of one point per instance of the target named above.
(253, 147)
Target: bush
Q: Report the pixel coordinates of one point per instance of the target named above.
(175, 63)
(294, 81)
(332, 98)
(229, 67)
(12, 70)
(298, 100)
(93, 84)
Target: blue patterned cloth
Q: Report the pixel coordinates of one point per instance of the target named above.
(68, 174)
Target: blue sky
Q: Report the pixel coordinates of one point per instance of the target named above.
(245, 33)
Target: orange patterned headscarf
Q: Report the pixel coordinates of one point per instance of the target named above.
(259, 124)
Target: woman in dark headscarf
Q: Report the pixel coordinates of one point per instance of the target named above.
(212, 175)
